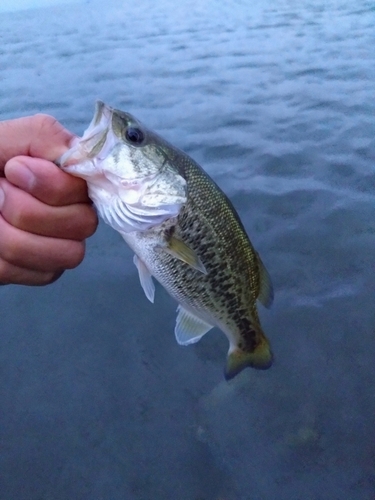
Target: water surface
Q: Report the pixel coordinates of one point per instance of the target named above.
(276, 101)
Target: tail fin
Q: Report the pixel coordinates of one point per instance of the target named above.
(260, 357)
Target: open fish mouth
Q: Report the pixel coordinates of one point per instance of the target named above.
(93, 147)
(97, 134)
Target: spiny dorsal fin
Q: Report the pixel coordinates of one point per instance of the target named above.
(266, 294)
(189, 328)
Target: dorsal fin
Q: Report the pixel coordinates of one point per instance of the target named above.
(266, 294)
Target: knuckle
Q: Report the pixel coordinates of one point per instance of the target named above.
(9, 248)
(76, 256)
(91, 223)
(14, 210)
(42, 121)
(18, 216)
(4, 272)
(84, 221)
(48, 278)
(10, 252)
(10, 274)
(48, 126)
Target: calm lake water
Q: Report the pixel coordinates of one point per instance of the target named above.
(276, 101)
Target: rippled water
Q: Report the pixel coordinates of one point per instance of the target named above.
(276, 101)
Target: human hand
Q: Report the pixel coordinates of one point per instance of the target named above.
(45, 214)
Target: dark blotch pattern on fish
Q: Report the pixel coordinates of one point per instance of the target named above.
(231, 285)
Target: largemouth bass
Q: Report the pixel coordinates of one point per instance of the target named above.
(183, 230)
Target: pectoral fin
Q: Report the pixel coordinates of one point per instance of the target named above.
(266, 294)
(189, 328)
(145, 278)
(178, 249)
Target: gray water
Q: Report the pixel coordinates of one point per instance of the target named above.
(276, 101)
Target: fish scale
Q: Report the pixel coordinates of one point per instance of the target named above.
(199, 251)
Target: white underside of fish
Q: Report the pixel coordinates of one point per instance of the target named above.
(189, 327)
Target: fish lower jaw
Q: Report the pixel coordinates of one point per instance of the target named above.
(86, 170)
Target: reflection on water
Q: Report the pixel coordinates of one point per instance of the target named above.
(276, 102)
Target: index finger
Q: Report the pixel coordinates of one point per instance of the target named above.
(39, 136)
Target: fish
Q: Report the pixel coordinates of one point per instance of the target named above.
(183, 229)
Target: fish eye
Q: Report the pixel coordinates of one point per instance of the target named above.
(134, 135)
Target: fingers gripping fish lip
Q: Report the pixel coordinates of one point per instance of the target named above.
(87, 152)
(81, 147)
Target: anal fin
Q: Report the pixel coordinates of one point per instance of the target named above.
(189, 328)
